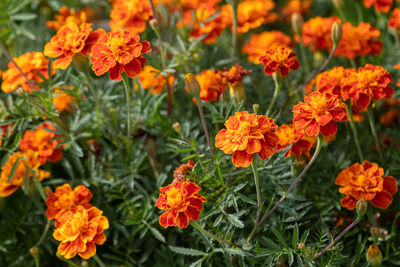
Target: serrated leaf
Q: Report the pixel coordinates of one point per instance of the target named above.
(26, 181)
(13, 169)
(157, 234)
(235, 221)
(23, 16)
(280, 237)
(295, 236)
(38, 185)
(187, 251)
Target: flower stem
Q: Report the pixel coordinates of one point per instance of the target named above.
(128, 114)
(43, 236)
(99, 261)
(373, 130)
(303, 55)
(355, 135)
(259, 204)
(203, 122)
(210, 235)
(233, 4)
(278, 86)
(316, 152)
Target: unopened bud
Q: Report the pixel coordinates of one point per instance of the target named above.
(374, 232)
(236, 91)
(361, 207)
(300, 245)
(192, 85)
(154, 24)
(85, 264)
(336, 33)
(20, 91)
(338, 3)
(34, 252)
(374, 256)
(47, 191)
(297, 23)
(177, 127)
(256, 107)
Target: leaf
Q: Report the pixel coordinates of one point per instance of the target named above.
(280, 237)
(13, 169)
(38, 185)
(196, 263)
(157, 234)
(187, 251)
(235, 221)
(295, 236)
(26, 182)
(23, 16)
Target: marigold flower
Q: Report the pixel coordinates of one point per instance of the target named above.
(374, 256)
(23, 160)
(70, 40)
(288, 135)
(319, 113)
(31, 64)
(366, 82)
(295, 6)
(211, 85)
(365, 182)
(380, 5)
(66, 16)
(259, 43)
(233, 77)
(282, 59)
(130, 15)
(359, 40)
(41, 141)
(79, 231)
(182, 171)
(151, 79)
(62, 100)
(181, 202)
(245, 135)
(64, 199)
(119, 52)
(316, 32)
(394, 20)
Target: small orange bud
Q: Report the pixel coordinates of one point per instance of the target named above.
(154, 24)
(297, 23)
(256, 107)
(336, 33)
(177, 127)
(300, 245)
(192, 84)
(34, 252)
(374, 256)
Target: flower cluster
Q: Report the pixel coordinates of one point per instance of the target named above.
(151, 79)
(316, 32)
(79, 225)
(66, 16)
(181, 172)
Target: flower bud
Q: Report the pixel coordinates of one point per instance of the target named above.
(374, 231)
(300, 245)
(85, 264)
(374, 256)
(236, 91)
(47, 191)
(177, 127)
(297, 23)
(361, 207)
(34, 252)
(154, 24)
(336, 33)
(256, 107)
(192, 85)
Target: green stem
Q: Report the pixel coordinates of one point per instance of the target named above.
(293, 185)
(355, 135)
(203, 122)
(234, 27)
(70, 262)
(374, 134)
(303, 55)
(220, 175)
(210, 235)
(278, 86)
(259, 204)
(99, 261)
(125, 79)
(43, 236)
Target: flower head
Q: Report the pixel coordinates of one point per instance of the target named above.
(64, 199)
(365, 182)
(118, 52)
(41, 141)
(70, 40)
(211, 85)
(181, 203)
(151, 79)
(62, 100)
(374, 256)
(394, 20)
(245, 135)
(288, 135)
(282, 59)
(130, 15)
(380, 5)
(182, 171)
(295, 6)
(32, 64)
(66, 16)
(23, 160)
(233, 77)
(79, 231)
(316, 32)
(319, 113)
(259, 43)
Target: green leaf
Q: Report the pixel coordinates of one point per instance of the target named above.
(26, 182)
(157, 234)
(235, 221)
(295, 236)
(23, 16)
(13, 169)
(280, 237)
(187, 251)
(38, 185)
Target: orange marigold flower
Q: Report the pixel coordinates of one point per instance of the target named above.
(359, 40)
(295, 6)
(130, 15)
(245, 135)
(41, 141)
(233, 77)
(380, 5)
(70, 40)
(365, 182)
(79, 231)
(31, 64)
(282, 59)
(182, 171)
(259, 43)
(181, 202)
(64, 199)
(211, 85)
(288, 135)
(394, 20)
(151, 79)
(319, 113)
(66, 16)
(369, 81)
(194, 4)
(23, 160)
(316, 32)
(62, 100)
(119, 52)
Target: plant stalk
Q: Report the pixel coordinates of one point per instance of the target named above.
(259, 204)
(203, 122)
(355, 135)
(125, 79)
(278, 86)
(374, 134)
(99, 261)
(233, 4)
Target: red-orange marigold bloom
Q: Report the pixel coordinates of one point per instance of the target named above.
(394, 20)
(118, 52)
(369, 81)
(66, 16)
(316, 32)
(151, 79)
(365, 182)
(23, 160)
(41, 141)
(31, 63)
(70, 40)
(359, 40)
(130, 15)
(295, 6)
(319, 113)
(62, 100)
(79, 231)
(182, 171)
(181, 202)
(259, 43)
(64, 199)
(380, 5)
(211, 84)
(288, 135)
(280, 59)
(245, 135)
